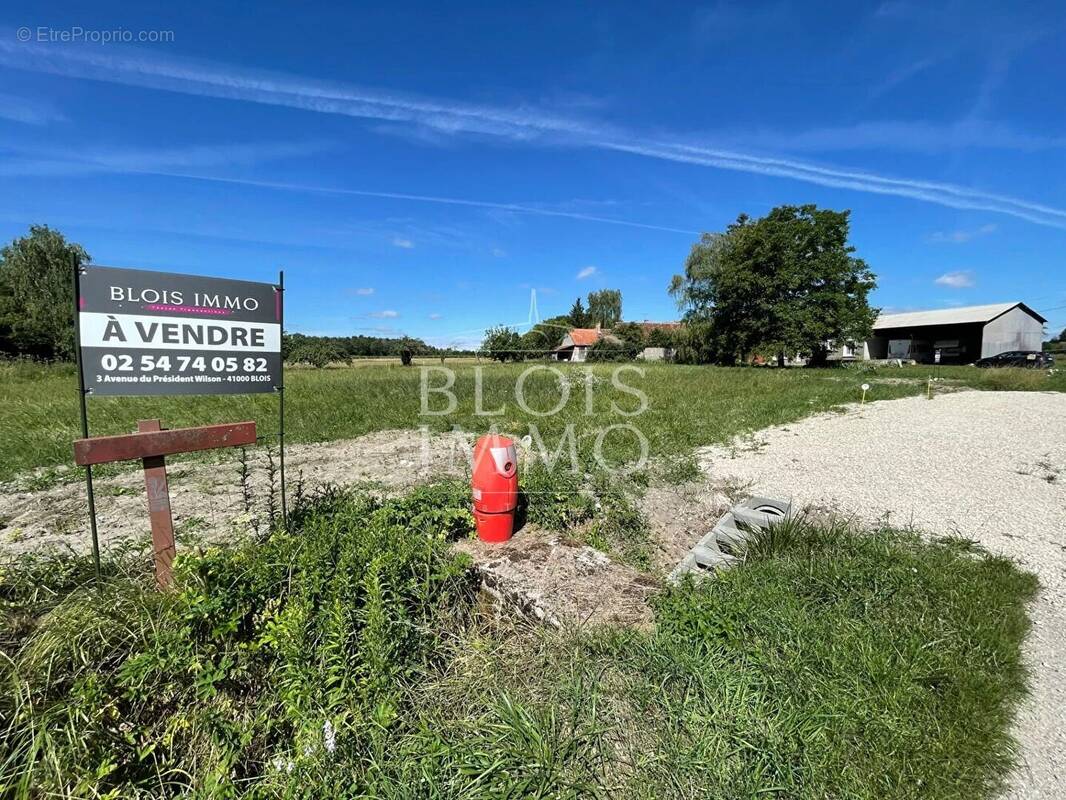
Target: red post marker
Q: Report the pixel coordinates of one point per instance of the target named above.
(495, 487)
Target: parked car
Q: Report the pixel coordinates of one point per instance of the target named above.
(1018, 358)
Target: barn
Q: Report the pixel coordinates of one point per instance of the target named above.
(962, 335)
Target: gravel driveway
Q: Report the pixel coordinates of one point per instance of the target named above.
(990, 466)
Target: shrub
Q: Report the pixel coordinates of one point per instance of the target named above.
(609, 349)
(317, 354)
(269, 663)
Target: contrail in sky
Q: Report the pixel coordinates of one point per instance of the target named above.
(529, 125)
(421, 198)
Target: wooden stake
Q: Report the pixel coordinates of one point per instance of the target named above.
(155, 484)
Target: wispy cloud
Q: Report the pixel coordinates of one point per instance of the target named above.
(388, 313)
(587, 272)
(365, 291)
(962, 235)
(499, 252)
(905, 72)
(436, 316)
(55, 161)
(403, 244)
(524, 124)
(513, 208)
(916, 136)
(962, 279)
(29, 111)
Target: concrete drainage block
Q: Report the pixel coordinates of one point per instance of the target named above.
(724, 545)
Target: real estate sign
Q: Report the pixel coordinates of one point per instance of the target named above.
(161, 333)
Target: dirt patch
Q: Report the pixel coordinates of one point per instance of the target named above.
(679, 516)
(210, 500)
(561, 582)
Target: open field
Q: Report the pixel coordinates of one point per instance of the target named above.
(687, 406)
(835, 662)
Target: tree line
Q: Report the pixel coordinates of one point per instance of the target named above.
(784, 285)
(602, 309)
(37, 310)
(319, 351)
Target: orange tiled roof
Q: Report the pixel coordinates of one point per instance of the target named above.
(585, 337)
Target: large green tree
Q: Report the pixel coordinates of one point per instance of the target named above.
(36, 295)
(545, 336)
(578, 317)
(605, 308)
(785, 283)
(502, 344)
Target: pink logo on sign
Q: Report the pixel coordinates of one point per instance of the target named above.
(210, 312)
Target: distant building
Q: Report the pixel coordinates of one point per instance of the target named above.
(659, 353)
(576, 344)
(962, 335)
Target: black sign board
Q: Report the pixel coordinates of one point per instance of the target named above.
(158, 333)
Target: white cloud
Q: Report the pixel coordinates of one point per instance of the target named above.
(365, 291)
(523, 124)
(902, 135)
(587, 272)
(961, 279)
(406, 244)
(436, 316)
(962, 236)
(154, 160)
(499, 252)
(388, 313)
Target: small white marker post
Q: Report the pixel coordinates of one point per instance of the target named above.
(865, 388)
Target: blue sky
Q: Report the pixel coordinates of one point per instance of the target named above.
(418, 168)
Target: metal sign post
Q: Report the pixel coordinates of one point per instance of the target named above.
(140, 332)
(82, 391)
(279, 291)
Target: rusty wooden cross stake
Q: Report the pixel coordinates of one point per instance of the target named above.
(151, 444)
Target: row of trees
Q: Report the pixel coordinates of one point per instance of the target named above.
(318, 351)
(782, 285)
(604, 309)
(37, 313)
(625, 341)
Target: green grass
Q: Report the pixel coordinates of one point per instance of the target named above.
(687, 406)
(347, 658)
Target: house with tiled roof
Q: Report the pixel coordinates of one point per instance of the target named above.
(576, 344)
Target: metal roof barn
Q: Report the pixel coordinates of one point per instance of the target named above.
(962, 335)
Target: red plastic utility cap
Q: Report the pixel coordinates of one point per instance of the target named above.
(494, 485)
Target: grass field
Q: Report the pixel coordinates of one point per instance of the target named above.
(350, 651)
(347, 658)
(687, 406)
